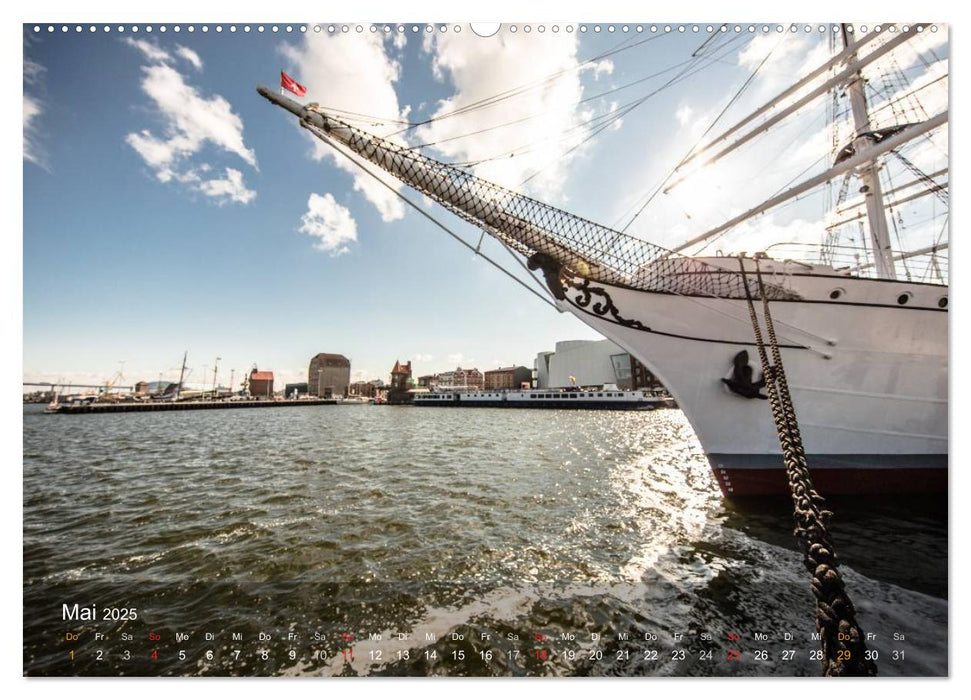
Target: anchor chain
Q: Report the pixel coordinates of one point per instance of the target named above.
(841, 638)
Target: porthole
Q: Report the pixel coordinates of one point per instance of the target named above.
(904, 298)
(942, 302)
(836, 293)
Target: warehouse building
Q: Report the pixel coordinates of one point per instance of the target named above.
(329, 375)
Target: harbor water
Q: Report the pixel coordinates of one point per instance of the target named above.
(538, 536)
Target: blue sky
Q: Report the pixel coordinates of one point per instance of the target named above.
(168, 207)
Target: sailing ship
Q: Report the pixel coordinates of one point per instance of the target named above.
(865, 351)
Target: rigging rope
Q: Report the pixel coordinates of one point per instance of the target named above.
(520, 120)
(475, 249)
(711, 126)
(605, 120)
(842, 640)
(526, 87)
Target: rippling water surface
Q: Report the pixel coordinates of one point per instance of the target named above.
(474, 542)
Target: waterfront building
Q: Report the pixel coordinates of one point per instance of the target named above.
(507, 378)
(465, 379)
(329, 375)
(141, 389)
(591, 363)
(400, 391)
(260, 383)
(367, 389)
(401, 375)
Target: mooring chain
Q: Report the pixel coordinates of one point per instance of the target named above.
(842, 640)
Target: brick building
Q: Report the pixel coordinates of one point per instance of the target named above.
(329, 375)
(400, 388)
(368, 389)
(507, 378)
(260, 383)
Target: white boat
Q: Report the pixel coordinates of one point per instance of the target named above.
(865, 352)
(565, 398)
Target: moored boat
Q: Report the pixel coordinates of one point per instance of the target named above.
(566, 398)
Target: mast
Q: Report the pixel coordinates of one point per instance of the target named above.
(869, 172)
(854, 69)
(178, 389)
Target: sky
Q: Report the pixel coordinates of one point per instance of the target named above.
(169, 208)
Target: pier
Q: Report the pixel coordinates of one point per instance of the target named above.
(137, 406)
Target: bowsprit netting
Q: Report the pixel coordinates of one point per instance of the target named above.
(580, 246)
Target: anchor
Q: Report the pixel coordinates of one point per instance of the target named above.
(741, 380)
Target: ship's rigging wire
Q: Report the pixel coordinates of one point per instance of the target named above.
(933, 263)
(407, 125)
(535, 115)
(601, 121)
(711, 126)
(683, 75)
(893, 215)
(890, 102)
(932, 186)
(475, 249)
(527, 87)
(783, 188)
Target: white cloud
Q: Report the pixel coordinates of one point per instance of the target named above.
(352, 73)
(190, 56)
(602, 67)
(190, 122)
(33, 108)
(230, 188)
(151, 51)
(460, 359)
(156, 54)
(684, 114)
(422, 357)
(330, 222)
(479, 69)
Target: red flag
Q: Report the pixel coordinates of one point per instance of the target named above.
(292, 85)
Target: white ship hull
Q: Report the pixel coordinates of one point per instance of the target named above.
(868, 375)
